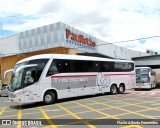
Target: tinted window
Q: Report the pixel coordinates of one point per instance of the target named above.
(127, 66)
(92, 66)
(117, 67)
(41, 64)
(52, 69)
(105, 66)
(123, 66)
(63, 66)
(78, 66)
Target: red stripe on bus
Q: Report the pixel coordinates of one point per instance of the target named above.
(92, 75)
(119, 74)
(72, 76)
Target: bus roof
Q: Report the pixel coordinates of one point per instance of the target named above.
(67, 56)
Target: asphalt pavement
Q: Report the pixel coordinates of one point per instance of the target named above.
(133, 109)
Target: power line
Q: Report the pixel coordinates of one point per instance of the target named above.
(108, 43)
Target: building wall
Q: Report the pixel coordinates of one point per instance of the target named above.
(50, 36)
(118, 52)
(9, 46)
(150, 60)
(5, 64)
(41, 38)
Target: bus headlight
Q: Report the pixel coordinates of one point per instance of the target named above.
(11, 94)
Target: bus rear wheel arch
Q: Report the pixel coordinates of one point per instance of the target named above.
(121, 88)
(49, 97)
(113, 89)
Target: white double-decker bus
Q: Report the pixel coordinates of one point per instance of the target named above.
(50, 77)
(145, 78)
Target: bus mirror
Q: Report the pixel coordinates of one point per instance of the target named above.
(5, 73)
(149, 74)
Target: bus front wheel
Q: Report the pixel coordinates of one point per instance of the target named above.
(113, 89)
(49, 97)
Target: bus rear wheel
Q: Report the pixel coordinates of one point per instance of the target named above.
(113, 89)
(49, 97)
(121, 89)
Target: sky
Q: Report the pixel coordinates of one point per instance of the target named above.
(109, 20)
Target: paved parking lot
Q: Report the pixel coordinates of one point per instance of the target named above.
(100, 111)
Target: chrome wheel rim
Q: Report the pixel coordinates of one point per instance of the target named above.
(48, 98)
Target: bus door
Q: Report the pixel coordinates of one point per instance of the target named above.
(102, 82)
(30, 84)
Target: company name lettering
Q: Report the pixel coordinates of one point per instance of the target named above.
(79, 38)
(70, 80)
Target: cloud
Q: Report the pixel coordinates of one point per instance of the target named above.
(152, 44)
(53, 6)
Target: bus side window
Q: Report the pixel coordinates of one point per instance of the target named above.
(123, 67)
(74, 66)
(66, 66)
(62, 65)
(92, 66)
(81, 66)
(104, 67)
(131, 66)
(52, 69)
(96, 66)
(117, 67)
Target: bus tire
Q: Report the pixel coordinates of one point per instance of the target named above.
(49, 97)
(113, 89)
(121, 89)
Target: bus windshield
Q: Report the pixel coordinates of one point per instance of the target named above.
(17, 80)
(142, 76)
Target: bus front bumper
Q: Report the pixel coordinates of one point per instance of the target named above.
(12, 96)
(143, 85)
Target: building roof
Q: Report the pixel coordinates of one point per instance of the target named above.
(151, 56)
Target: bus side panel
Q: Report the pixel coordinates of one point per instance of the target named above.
(43, 86)
(131, 82)
(87, 86)
(72, 85)
(128, 80)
